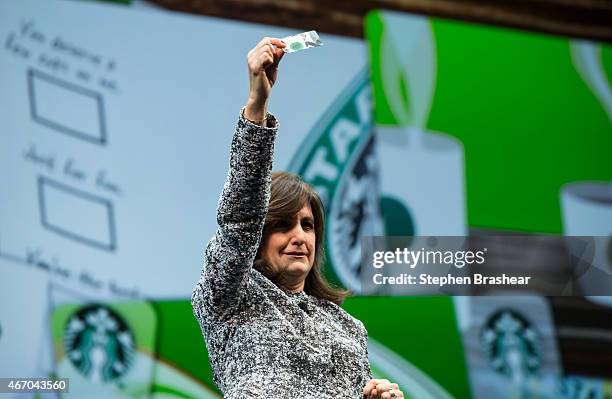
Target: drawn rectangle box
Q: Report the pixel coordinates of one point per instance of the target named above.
(75, 214)
(66, 107)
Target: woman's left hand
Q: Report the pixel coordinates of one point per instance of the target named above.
(381, 389)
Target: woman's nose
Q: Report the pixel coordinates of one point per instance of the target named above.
(298, 235)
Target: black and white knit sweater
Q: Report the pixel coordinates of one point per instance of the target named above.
(263, 342)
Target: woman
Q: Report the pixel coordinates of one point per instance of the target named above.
(272, 325)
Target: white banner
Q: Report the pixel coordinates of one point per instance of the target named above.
(115, 134)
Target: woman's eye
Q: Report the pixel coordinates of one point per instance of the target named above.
(282, 224)
(307, 225)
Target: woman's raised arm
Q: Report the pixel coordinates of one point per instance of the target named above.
(244, 200)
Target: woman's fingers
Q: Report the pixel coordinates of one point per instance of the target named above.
(266, 41)
(389, 390)
(278, 55)
(258, 49)
(385, 386)
(260, 59)
(273, 46)
(265, 59)
(392, 394)
(377, 387)
(262, 56)
(367, 390)
(270, 43)
(383, 389)
(277, 42)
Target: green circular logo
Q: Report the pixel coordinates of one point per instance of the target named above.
(99, 343)
(512, 344)
(295, 46)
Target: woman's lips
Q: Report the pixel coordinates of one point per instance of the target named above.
(296, 254)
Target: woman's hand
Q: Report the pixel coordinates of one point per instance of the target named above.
(381, 389)
(263, 62)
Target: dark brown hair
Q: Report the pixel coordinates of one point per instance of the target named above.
(288, 195)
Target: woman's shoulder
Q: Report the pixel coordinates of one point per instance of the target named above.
(341, 314)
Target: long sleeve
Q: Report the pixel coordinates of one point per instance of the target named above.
(241, 214)
(260, 341)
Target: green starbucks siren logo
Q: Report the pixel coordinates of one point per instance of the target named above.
(339, 161)
(512, 344)
(99, 343)
(296, 46)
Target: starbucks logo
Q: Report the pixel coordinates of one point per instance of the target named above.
(512, 345)
(296, 46)
(338, 159)
(354, 213)
(99, 343)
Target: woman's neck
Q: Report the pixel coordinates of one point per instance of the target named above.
(293, 288)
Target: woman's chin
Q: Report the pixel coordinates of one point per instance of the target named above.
(298, 267)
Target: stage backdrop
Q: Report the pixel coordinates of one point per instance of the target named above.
(116, 129)
(532, 112)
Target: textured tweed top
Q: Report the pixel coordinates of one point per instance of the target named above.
(263, 342)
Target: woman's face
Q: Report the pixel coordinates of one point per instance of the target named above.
(290, 248)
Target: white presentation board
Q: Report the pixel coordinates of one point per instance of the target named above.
(114, 136)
